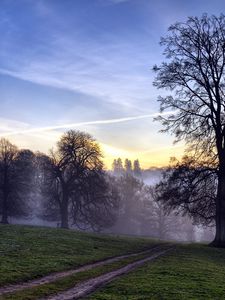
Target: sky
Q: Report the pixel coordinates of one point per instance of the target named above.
(87, 65)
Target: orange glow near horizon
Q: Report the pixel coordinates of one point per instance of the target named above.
(152, 158)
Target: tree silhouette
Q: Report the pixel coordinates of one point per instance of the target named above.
(195, 74)
(117, 166)
(128, 166)
(189, 187)
(137, 168)
(75, 161)
(16, 180)
(95, 203)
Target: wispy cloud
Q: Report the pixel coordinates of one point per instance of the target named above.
(74, 125)
(104, 72)
(8, 125)
(116, 69)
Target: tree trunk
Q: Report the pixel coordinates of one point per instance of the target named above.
(64, 212)
(219, 240)
(5, 210)
(5, 193)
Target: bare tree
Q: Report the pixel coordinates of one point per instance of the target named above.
(194, 73)
(76, 157)
(157, 221)
(7, 155)
(47, 187)
(95, 203)
(16, 169)
(189, 187)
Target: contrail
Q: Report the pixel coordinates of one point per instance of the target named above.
(73, 125)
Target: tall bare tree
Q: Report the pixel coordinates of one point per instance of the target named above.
(16, 169)
(194, 73)
(76, 156)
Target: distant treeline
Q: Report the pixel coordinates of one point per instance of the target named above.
(70, 188)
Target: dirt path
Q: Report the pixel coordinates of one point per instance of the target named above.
(89, 286)
(55, 276)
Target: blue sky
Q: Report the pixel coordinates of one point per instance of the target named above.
(74, 61)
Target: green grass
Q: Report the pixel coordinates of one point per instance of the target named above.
(189, 272)
(28, 252)
(68, 282)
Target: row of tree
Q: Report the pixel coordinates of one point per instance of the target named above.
(70, 187)
(127, 167)
(194, 75)
(69, 184)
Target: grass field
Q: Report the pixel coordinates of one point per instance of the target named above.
(28, 252)
(68, 282)
(189, 272)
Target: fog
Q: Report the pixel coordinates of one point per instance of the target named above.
(137, 213)
(70, 189)
(152, 176)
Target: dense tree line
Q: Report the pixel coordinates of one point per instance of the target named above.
(70, 183)
(70, 187)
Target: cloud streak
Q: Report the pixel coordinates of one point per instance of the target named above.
(80, 124)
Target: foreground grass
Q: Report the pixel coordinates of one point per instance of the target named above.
(68, 282)
(30, 252)
(189, 272)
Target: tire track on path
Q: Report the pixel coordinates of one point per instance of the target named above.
(85, 288)
(12, 288)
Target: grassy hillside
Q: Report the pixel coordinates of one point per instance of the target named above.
(28, 252)
(189, 272)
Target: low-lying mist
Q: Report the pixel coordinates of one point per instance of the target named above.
(70, 189)
(138, 214)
